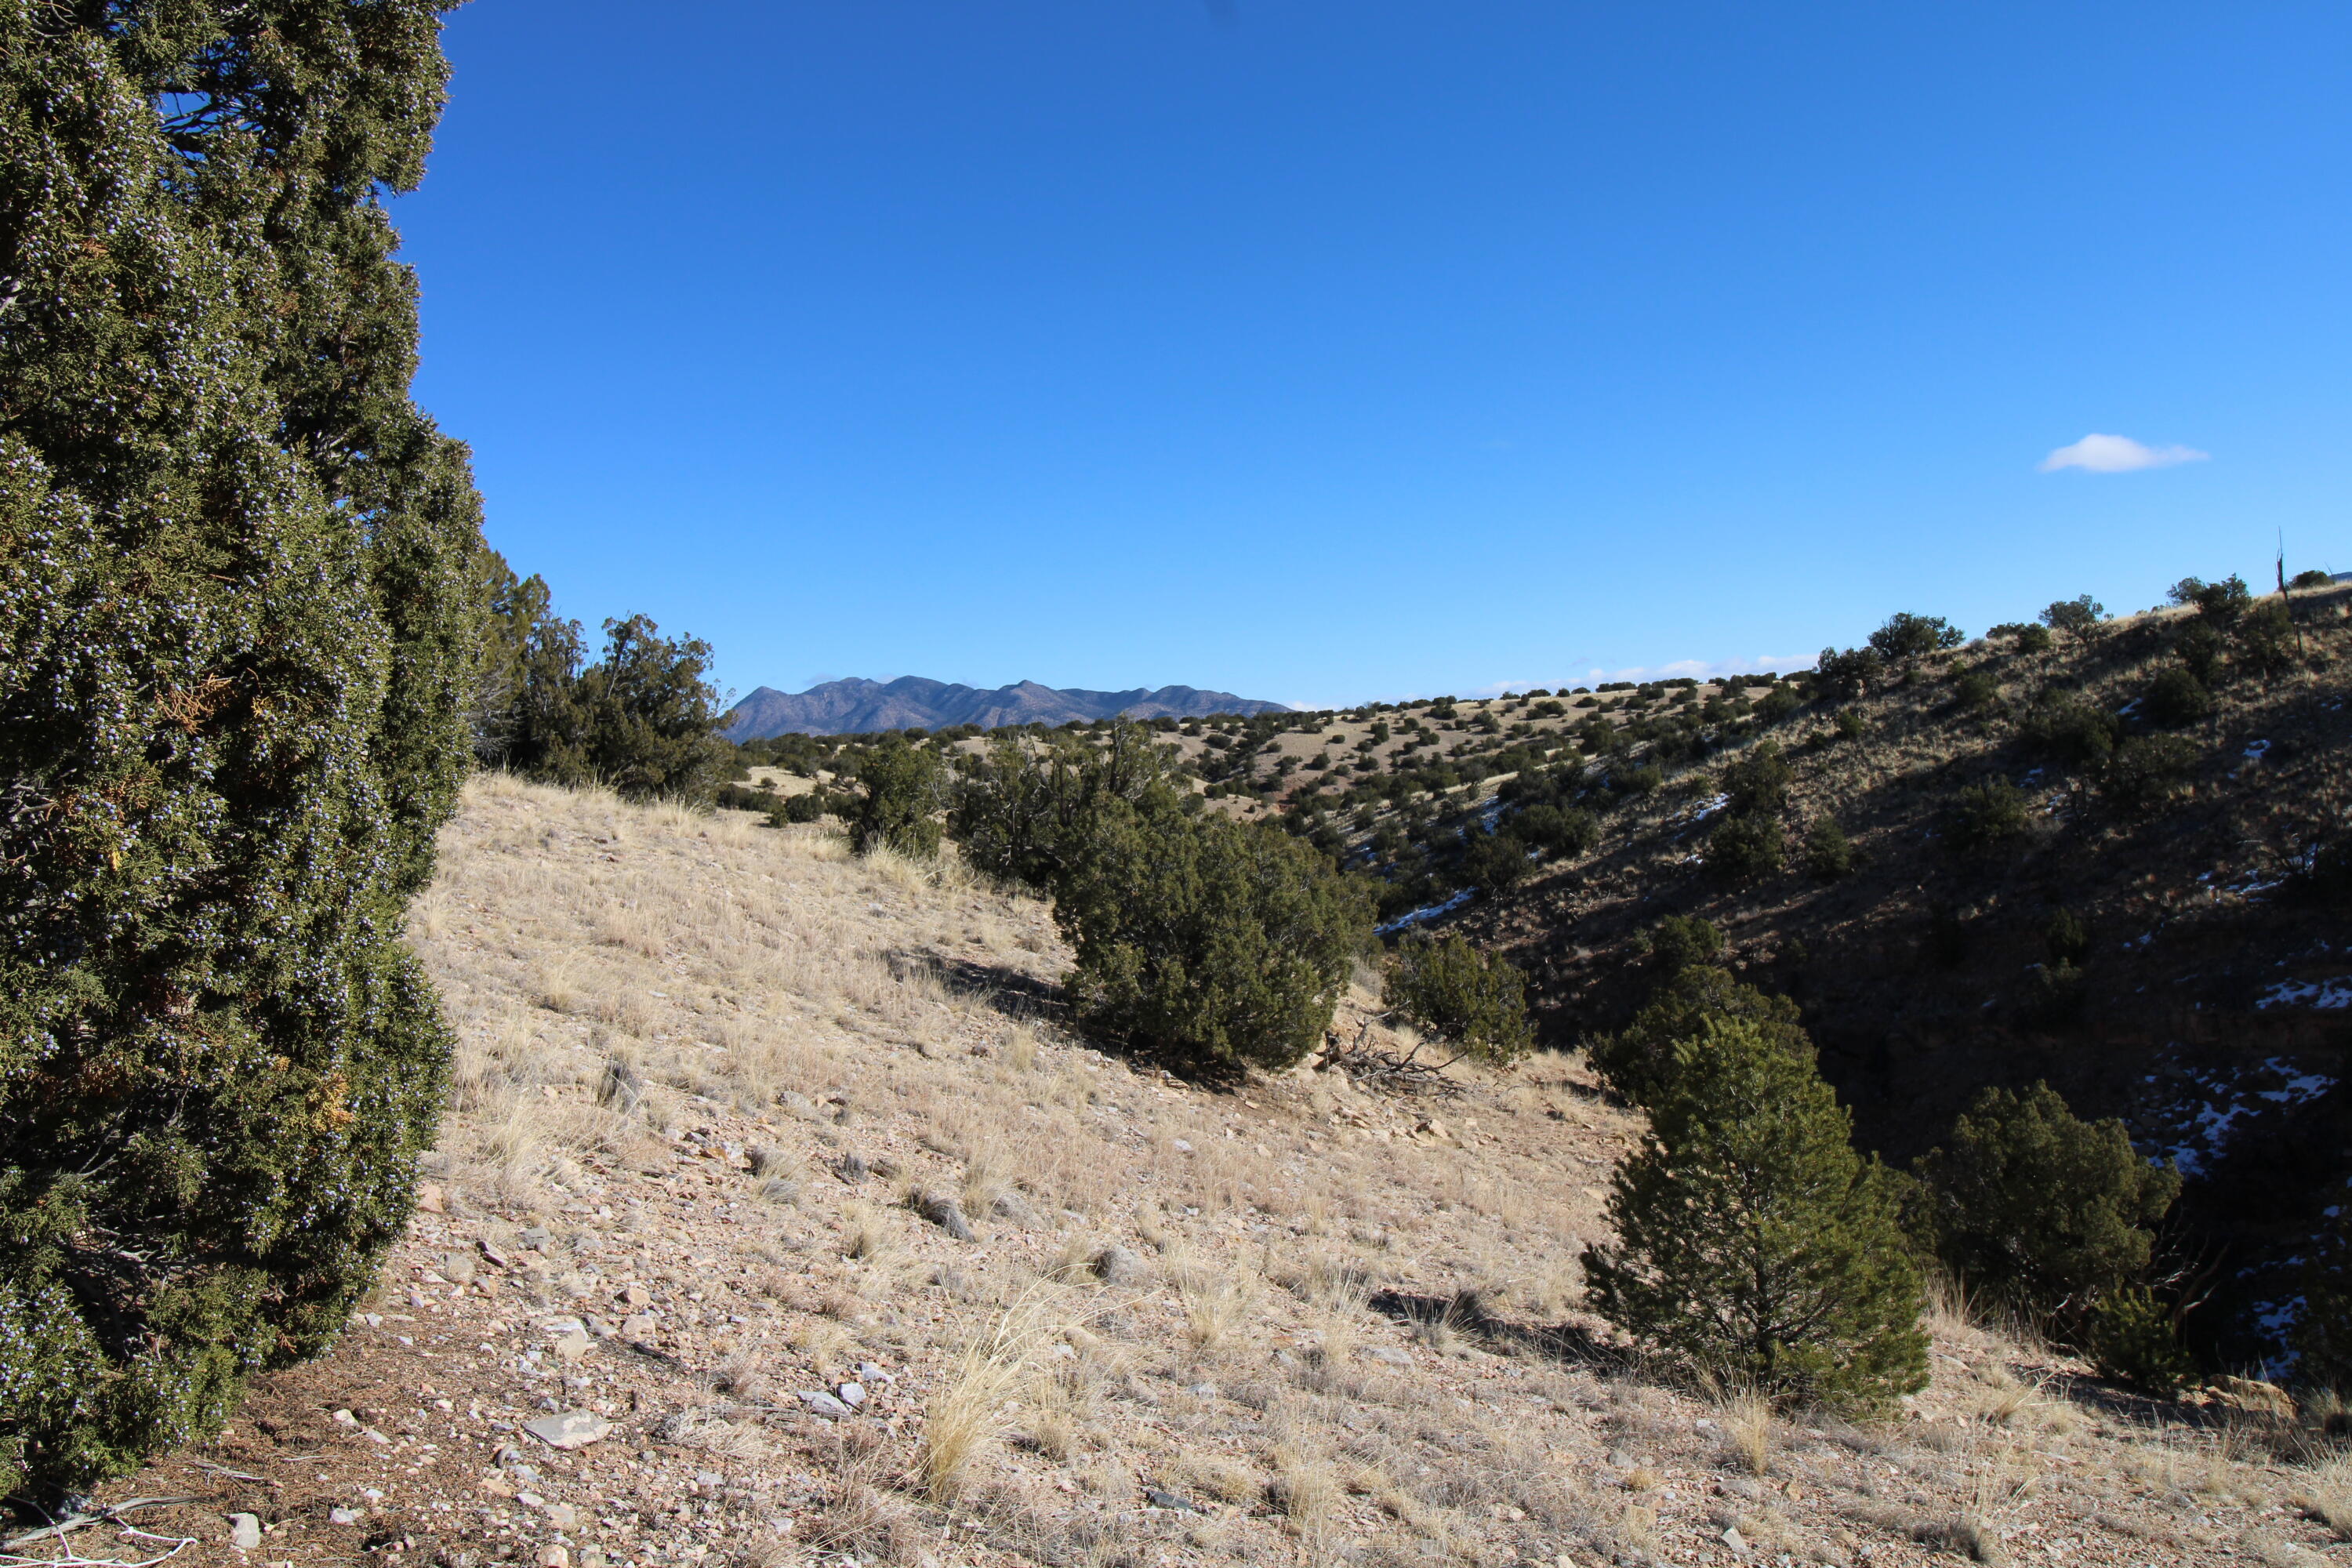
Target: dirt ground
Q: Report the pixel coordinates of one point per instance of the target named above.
(775, 1172)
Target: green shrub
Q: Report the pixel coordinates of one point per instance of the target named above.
(2070, 731)
(1906, 638)
(899, 795)
(2221, 604)
(646, 716)
(1562, 832)
(1743, 848)
(1221, 943)
(2323, 1334)
(1026, 813)
(1495, 862)
(1775, 705)
(2135, 1338)
(2146, 769)
(2078, 616)
(1976, 692)
(1754, 1248)
(2201, 648)
(1473, 1001)
(1635, 783)
(1986, 814)
(2032, 1204)
(1849, 725)
(2311, 578)
(1678, 943)
(1829, 854)
(1758, 782)
(807, 806)
(2176, 696)
(1846, 676)
(240, 596)
(2066, 937)
(1639, 1061)
(2267, 640)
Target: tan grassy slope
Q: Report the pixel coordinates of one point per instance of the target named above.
(719, 1084)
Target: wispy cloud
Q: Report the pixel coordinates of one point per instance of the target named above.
(2117, 455)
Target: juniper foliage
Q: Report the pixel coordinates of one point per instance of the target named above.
(239, 591)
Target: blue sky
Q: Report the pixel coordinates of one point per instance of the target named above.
(1332, 351)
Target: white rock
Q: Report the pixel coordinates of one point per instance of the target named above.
(570, 1429)
(340, 1515)
(851, 1393)
(244, 1531)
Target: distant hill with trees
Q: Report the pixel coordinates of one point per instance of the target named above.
(856, 707)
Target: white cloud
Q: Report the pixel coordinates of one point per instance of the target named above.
(2117, 455)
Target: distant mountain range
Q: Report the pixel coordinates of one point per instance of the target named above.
(855, 706)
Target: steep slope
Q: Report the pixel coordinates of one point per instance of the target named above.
(717, 1080)
(858, 707)
(2208, 981)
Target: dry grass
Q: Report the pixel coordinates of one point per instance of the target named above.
(1750, 1430)
(967, 1416)
(2325, 1491)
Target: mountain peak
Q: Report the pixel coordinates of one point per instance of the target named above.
(857, 706)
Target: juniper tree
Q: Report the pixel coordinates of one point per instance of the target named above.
(1473, 1001)
(238, 595)
(1754, 1247)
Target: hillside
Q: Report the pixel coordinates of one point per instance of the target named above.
(715, 1078)
(856, 707)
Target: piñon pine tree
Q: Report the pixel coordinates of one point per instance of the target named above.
(1755, 1248)
(238, 608)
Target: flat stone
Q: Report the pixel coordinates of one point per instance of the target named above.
(824, 1403)
(341, 1515)
(570, 1429)
(1390, 1354)
(573, 1345)
(563, 1516)
(870, 1372)
(245, 1532)
(458, 1268)
(851, 1393)
(1119, 1266)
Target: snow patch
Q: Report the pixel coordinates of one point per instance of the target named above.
(2335, 993)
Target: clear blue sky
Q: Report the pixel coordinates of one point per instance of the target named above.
(1339, 348)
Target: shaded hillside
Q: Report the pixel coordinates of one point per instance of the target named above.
(858, 707)
(2047, 884)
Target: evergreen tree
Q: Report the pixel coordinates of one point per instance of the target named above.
(1222, 943)
(897, 805)
(1473, 1001)
(1027, 813)
(2047, 1211)
(647, 715)
(1640, 1060)
(239, 601)
(1754, 1247)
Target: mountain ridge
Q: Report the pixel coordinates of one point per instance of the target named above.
(858, 706)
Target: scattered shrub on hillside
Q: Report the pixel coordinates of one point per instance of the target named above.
(1026, 812)
(2201, 648)
(1976, 692)
(2323, 1334)
(1829, 853)
(647, 716)
(1776, 706)
(1986, 814)
(1677, 944)
(2133, 1337)
(2078, 616)
(2146, 770)
(1634, 784)
(1219, 942)
(1754, 1247)
(1562, 832)
(1638, 1061)
(240, 596)
(1495, 862)
(2312, 578)
(2265, 639)
(2066, 937)
(2055, 997)
(2176, 696)
(809, 805)
(1758, 782)
(2033, 1206)
(2070, 731)
(1472, 1000)
(1742, 847)
(2222, 603)
(1908, 639)
(899, 793)
(1845, 676)
(1849, 725)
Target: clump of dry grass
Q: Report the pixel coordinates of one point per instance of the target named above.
(1214, 1305)
(2324, 1492)
(1304, 1487)
(1750, 1431)
(967, 1416)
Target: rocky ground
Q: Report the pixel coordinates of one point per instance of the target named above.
(777, 1220)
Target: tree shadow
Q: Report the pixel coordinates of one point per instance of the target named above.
(1006, 990)
(1465, 1313)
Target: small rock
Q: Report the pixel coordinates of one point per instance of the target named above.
(430, 1199)
(573, 1345)
(1390, 1354)
(635, 1294)
(640, 1327)
(851, 1393)
(563, 1516)
(1183, 1146)
(1203, 1391)
(345, 1418)
(941, 1211)
(244, 1531)
(342, 1515)
(1158, 1498)
(458, 1268)
(870, 1372)
(824, 1403)
(570, 1429)
(709, 1481)
(1119, 1266)
(1741, 1487)
(534, 1237)
(1430, 1127)
(373, 1435)
(554, 1557)
(1733, 1539)
(2254, 1397)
